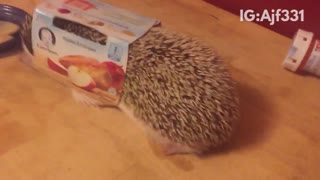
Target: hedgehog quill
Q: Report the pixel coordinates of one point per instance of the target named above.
(180, 91)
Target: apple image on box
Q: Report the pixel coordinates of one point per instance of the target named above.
(56, 67)
(116, 72)
(81, 78)
(64, 11)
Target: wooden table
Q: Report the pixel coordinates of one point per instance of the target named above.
(45, 135)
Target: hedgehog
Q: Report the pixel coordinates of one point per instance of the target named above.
(177, 89)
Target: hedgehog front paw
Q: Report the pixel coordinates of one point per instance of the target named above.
(171, 148)
(167, 147)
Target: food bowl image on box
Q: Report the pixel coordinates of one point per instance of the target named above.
(179, 90)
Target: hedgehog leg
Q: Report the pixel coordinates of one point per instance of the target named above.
(171, 148)
(166, 146)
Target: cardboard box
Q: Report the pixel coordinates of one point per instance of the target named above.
(85, 44)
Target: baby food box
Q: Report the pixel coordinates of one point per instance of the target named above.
(85, 44)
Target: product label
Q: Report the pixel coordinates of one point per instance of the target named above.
(85, 43)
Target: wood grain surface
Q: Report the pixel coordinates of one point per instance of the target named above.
(45, 135)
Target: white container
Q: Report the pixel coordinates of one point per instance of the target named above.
(304, 54)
